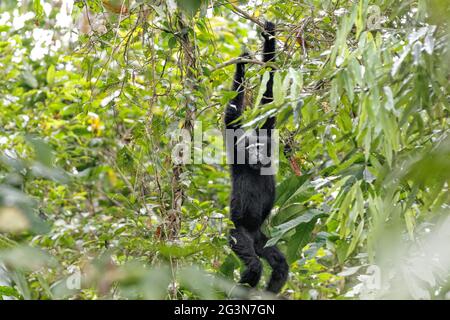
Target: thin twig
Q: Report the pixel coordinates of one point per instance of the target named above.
(246, 15)
(237, 60)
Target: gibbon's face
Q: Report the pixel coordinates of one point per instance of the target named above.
(258, 151)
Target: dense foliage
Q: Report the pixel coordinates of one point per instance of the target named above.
(93, 95)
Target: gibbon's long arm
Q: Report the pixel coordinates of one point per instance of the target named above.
(236, 105)
(269, 56)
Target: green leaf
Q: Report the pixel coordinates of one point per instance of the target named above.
(279, 231)
(299, 240)
(182, 251)
(355, 239)
(8, 291)
(278, 92)
(262, 88)
(29, 79)
(172, 43)
(51, 75)
(26, 258)
(227, 96)
(190, 7)
(44, 153)
(348, 81)
(229, 265)
(125, 158)
(287, 212)
(38, 8)
(288, 187)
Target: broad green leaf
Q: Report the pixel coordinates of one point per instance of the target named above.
(38, 9)
(288, 187)
(299, 240)
(278, 92)
(262, 88)
(355, 239)
(190, 7)
(279, 231)
(8, 291)
(51, 75)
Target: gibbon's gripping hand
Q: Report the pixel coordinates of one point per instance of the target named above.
(269, 30)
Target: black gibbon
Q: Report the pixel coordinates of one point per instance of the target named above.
(253, 194)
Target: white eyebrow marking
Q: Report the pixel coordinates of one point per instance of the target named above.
(253, 145)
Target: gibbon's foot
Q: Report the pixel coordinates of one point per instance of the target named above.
(280, 268)
(276, 260)
(242, 244)
(252, 274)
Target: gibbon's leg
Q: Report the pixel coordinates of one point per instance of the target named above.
(236, 105)
(269, 55)
(241, 242)
(276, 260)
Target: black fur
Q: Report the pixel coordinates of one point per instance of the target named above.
(253, 194)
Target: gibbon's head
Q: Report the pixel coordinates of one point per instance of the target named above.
(256, 146)
(269, 30)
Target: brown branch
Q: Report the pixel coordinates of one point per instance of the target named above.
(188, 65)
(246, 15)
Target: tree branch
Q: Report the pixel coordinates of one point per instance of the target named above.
(236, 60)
(246, 15)
(244, 60)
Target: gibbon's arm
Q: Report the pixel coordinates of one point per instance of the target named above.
(269, 55)
(236, 105)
